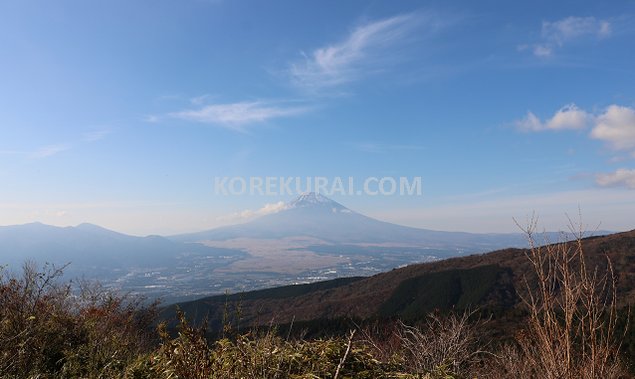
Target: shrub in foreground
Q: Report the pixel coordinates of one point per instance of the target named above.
(49, 329)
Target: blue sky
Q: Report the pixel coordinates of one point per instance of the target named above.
(121, 113)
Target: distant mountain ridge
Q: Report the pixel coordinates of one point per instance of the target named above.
(88, 245)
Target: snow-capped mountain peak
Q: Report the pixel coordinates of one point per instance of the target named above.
(314, 200)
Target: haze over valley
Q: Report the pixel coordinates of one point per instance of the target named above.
(311, 238)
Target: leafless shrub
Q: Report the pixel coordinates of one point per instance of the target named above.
(450, 344)
(572, 316)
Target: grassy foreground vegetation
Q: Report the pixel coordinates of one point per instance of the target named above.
(569, 329)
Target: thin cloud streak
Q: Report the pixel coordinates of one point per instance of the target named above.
(48, 151)
(349, 60)
(96, 135)
(42, 152)
(237, 116)
(326, 67)
(54, 149)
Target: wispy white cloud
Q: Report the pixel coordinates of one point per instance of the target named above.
(542, 50)
(326, 67)
(616, 126)
(567, 117)
(570, 28)
(620, 178)
(248, 214)
(96, 135)
(559, 33)
(152, 118)
(48, 151)
(200, 100)
(54, 149)
(346, 61)
(42, 152)
(238, 115)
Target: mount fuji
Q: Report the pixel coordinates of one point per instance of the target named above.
(316, 216)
